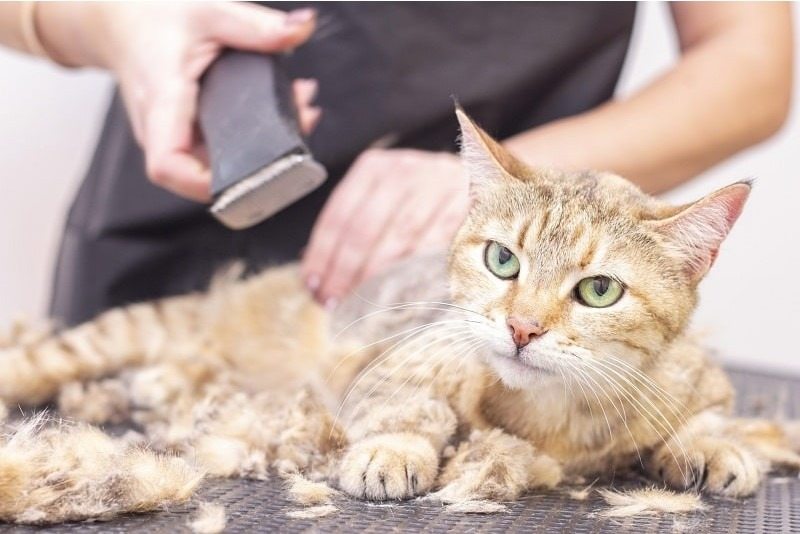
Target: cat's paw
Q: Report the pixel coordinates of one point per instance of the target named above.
(712, 464)
(389, 466)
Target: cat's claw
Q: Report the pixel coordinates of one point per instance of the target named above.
(389, 466)
(714, 465)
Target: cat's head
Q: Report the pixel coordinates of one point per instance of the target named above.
(577, 267)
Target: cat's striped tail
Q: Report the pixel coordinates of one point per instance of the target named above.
(31, 372)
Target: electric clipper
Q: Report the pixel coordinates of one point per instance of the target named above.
(259, 162)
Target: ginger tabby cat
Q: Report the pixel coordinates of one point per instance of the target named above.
(551, 343)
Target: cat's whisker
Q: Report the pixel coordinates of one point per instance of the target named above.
(667, 428)
(474, 343)
(648, 381)
(369, 395)
(451, 357)
(424, 302)
(435, 355)
(409, 332)
(424, 305)
(399, 307)
(454, 329)
(681, 419)
(388, 353)
(567, 394)
(588, 403)
(651, 386)
(605, 415)
(621, 412)
(622, 363)
(629, 397)
(423, 331)
(432, 356)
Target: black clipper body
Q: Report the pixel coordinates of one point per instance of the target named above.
(259, 162)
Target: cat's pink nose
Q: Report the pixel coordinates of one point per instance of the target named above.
(524, 331)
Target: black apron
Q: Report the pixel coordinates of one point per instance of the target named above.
(385, 70)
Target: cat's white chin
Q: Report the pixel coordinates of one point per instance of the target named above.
(518, 373)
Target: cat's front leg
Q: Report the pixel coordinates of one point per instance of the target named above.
(497, 466)
(708, 455)
(396, 447)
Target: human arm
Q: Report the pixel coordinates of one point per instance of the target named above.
(730, 89)
(157, 52)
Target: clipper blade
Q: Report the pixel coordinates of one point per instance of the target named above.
(267, 191)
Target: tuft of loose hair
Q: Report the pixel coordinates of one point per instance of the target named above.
(314, 512)
(649, 501)
(308, 493)
(477, 507)
(209, 519)
(579, 494)
(51, 472)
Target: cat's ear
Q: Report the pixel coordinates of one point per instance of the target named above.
(486, 162)
(696, 231)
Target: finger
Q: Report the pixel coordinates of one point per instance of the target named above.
(402, 237)
(333, 220)
(446, 222)
(183, 175)
(305, 90)
(366, 228)
(309, 118)
(260, 29)
(169, 143)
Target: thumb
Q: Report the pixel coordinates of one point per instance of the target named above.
(168, 144)
(261, 29)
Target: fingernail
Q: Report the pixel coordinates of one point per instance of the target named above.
(298, 17)
(312, 282)
(331, 303)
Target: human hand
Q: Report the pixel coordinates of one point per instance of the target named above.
(158, 52)
(390, 204)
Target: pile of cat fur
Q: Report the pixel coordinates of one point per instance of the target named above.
(66, 469)
(53, 471)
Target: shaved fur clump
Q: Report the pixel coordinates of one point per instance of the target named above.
(476, 507)
(54, 472)
(471, 376)
(105, 401)
(209, 519)
(309, 493)
(649, 501)
(313, 512)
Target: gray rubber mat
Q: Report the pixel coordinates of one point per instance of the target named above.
(254, 506)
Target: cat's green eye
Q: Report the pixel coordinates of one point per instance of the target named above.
(598, 291)
(500, 261)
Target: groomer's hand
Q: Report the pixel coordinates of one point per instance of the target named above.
(158, 52)
(390, 204)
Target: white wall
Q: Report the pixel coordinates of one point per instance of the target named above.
(49, 120)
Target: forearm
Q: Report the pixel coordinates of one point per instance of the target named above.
(65, 31)
(731, 89)
(11, 30)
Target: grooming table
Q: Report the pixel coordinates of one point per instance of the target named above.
(255, 506)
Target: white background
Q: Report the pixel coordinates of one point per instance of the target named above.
(50, 119)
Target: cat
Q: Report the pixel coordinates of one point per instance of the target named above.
(550, 343)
